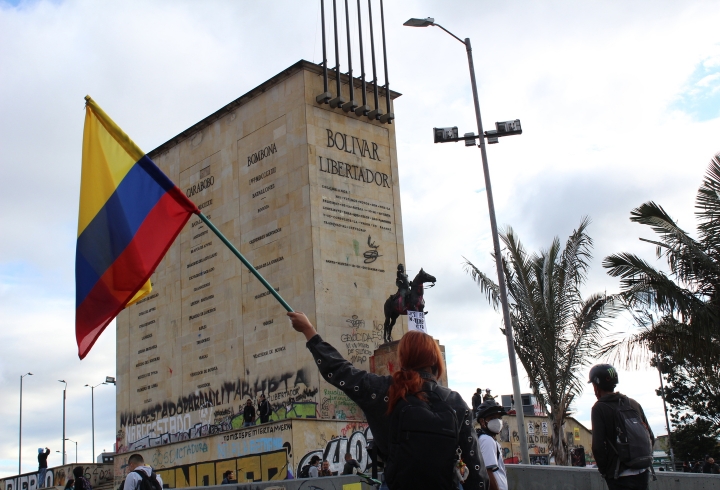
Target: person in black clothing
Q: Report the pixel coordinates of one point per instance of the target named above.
(81, 483)
(476, 400)
(263, 409)
(421, 363)
(228, 478)
(711, 466)
(604, 378)
(350, 464)
(42, 466)
(248, 414)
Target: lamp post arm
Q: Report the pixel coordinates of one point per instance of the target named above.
(453, 35)
(498, 263)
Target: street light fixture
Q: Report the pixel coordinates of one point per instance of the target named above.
(64, 398)
(108, 380)
(75, 448)
(20, 431)
(502, 129)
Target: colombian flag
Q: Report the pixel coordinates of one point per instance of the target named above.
(130, 214)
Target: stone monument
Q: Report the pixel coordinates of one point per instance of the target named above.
(309, 194)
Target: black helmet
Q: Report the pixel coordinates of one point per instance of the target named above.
(603, 375)
(488, 407)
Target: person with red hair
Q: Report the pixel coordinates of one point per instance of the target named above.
(421, 363)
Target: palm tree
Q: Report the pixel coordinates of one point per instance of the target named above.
(556, 331)
(686, 335)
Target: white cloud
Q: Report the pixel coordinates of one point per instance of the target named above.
(591, 82)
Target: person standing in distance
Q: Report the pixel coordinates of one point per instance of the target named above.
(263, 409)
(42, 466)
(139, 472)
(351, 465)
(248, 414)
(476, 400)
(384, 400)
(489, 416)
(604, 378)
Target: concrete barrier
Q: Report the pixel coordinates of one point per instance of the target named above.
(528, 477)
(350, 482)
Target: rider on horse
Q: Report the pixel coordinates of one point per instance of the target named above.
(402, 283)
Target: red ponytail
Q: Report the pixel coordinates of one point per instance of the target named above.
(416, 351)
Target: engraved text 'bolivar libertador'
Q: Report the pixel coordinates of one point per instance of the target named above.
(353, 172)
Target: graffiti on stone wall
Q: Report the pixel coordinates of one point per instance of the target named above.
(354, 438)
(212, 411)
(335, 404)
(360, 343)
(56, 477)
(262, 466)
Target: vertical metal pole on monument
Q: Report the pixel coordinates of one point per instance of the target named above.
(64, 399)
(388, 116)
(520, 416)
(324, 97)
(351, 104)
(375, 113)
(364, 108)
(339, 100)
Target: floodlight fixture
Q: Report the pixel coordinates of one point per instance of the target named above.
(110, 380)
(445, 135)
(508, 128)
(420, 22)
(491, 136)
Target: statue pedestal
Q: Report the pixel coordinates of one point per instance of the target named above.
(385, 361)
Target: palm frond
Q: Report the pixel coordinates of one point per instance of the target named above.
(487, 286)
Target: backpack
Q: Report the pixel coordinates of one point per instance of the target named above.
(305, 472)
(423, 442)
(632, 444)
(148, 482)
(81, 483)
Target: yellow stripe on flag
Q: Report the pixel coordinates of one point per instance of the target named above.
(146, 289)
(108, 155)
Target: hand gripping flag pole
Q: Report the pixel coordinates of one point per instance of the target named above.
(130, 214)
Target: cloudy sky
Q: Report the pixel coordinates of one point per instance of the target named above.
(619, 104)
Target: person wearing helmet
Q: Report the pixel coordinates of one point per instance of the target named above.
(604, 378)
(489, 415)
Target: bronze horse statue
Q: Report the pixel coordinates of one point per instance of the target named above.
(399, 304)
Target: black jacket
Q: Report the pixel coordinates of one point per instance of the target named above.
(42, 459)
(604, 432)
(370, 392)
(249, 413)
(264, 410)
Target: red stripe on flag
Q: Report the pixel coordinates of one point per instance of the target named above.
(130, 271)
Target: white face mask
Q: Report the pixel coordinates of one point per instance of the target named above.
(495, 426)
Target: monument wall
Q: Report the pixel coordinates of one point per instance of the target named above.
(260, 453)
(310, 196)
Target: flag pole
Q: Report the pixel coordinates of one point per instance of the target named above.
(245, 261)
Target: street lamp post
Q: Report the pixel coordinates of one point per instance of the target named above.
(496, 241)
(108, 380)
(20, 431)
(64, 398)
(75, 448)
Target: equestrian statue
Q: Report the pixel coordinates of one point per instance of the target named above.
(409, 296)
